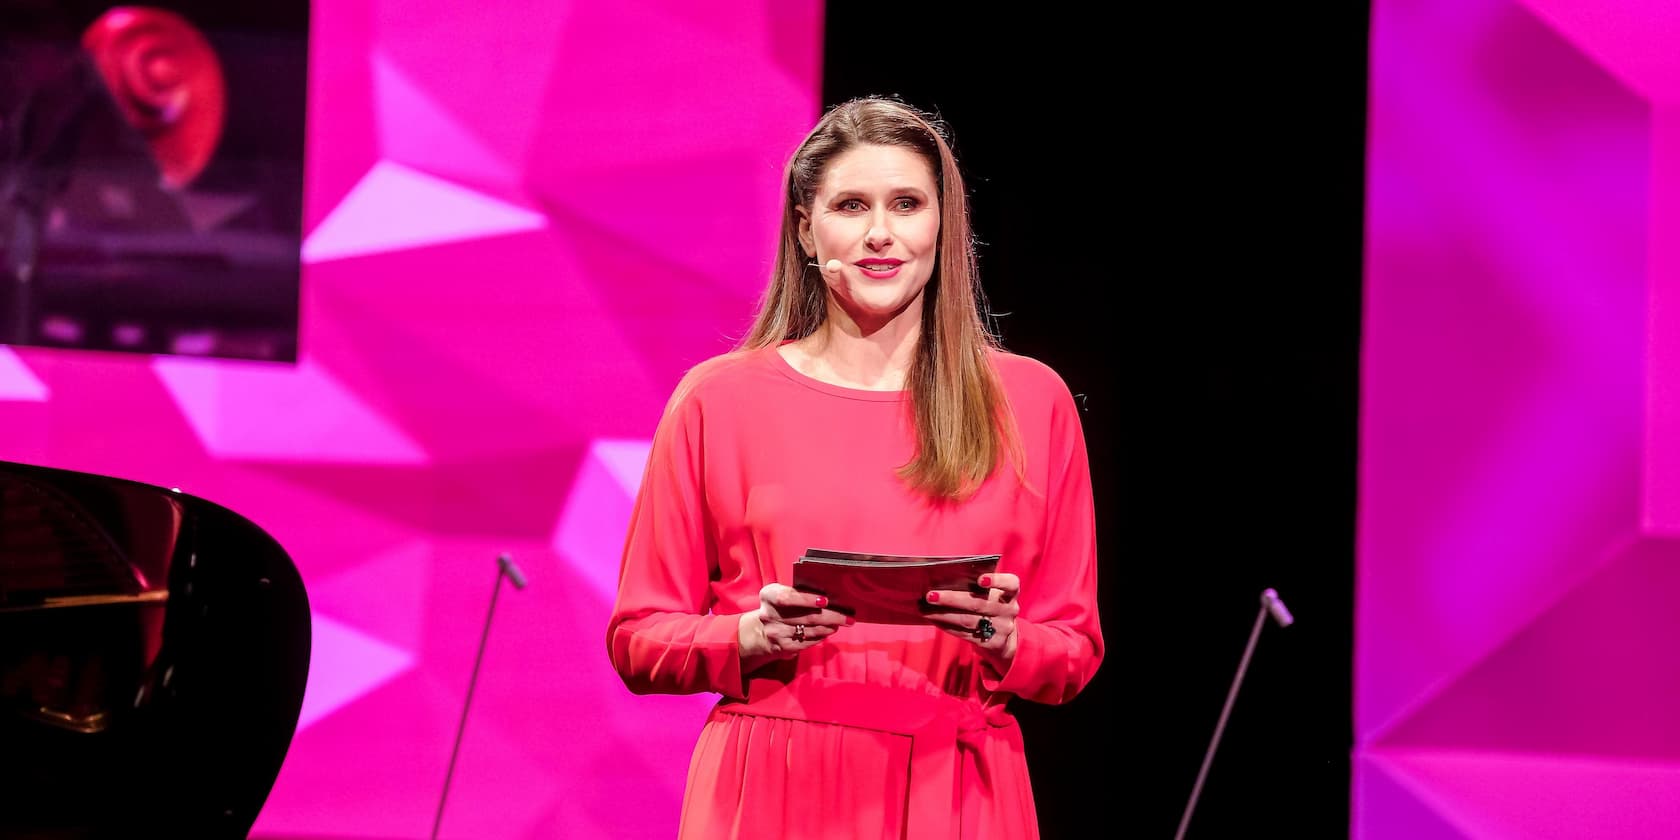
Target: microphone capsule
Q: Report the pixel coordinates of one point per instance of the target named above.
(1274, 605)
(516, 576)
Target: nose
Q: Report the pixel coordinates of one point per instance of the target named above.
(879, 236)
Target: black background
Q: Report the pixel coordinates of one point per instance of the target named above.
(1170, 212)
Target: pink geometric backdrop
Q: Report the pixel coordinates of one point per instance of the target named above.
(524, 221)
(1519, 574)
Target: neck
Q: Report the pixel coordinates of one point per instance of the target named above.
(855, 353)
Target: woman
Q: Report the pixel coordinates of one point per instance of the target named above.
(868, 410)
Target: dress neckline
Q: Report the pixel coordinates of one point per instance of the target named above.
(786, 368)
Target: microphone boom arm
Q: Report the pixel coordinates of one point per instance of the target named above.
(505, 568)
(1269, 604)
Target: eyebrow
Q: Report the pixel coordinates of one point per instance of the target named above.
(844, 194)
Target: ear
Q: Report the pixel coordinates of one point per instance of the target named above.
(806, 241)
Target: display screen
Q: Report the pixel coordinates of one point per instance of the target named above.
(151, 176)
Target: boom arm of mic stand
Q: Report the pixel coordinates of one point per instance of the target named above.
(1269, 603)
(504, 569)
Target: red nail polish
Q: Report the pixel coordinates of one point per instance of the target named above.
(933, 597)
(850, 621)
(821, 601)
(986, 581)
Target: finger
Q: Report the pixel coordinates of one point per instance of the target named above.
(954, 601)
(818, 632)
(969, 622)
(953, 621)
(782, 595)
(793, 599)
(827, 618)
(780, 601)
(965, 627)
(772, 592)
(797, 637)
(1005, 586)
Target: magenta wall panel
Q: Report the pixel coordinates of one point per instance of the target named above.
(1515, 673)
(524, 221)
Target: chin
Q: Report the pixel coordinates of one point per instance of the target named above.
(879, 309)
(880, 299)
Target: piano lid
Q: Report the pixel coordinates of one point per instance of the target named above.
(153, 653)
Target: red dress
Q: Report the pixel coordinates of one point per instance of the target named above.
(880, 731)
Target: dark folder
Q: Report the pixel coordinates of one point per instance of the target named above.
(888, 588)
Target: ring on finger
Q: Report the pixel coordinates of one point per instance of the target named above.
(799, 632)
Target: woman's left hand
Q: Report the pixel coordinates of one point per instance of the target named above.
(987, 622)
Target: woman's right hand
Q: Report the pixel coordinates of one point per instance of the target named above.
(786, 622)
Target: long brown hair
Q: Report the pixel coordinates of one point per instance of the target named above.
(963, 423)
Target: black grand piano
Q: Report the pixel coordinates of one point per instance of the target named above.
(153, 653)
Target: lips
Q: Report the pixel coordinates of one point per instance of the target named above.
(879, 269)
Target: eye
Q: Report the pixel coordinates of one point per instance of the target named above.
(906, 204)
(851, 205)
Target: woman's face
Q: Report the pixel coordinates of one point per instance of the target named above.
(877, 212)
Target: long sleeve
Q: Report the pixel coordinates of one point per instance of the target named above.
(1059, 644)
(661, 637)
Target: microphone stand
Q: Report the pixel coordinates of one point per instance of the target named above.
(504, 569)
(1269, 603)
